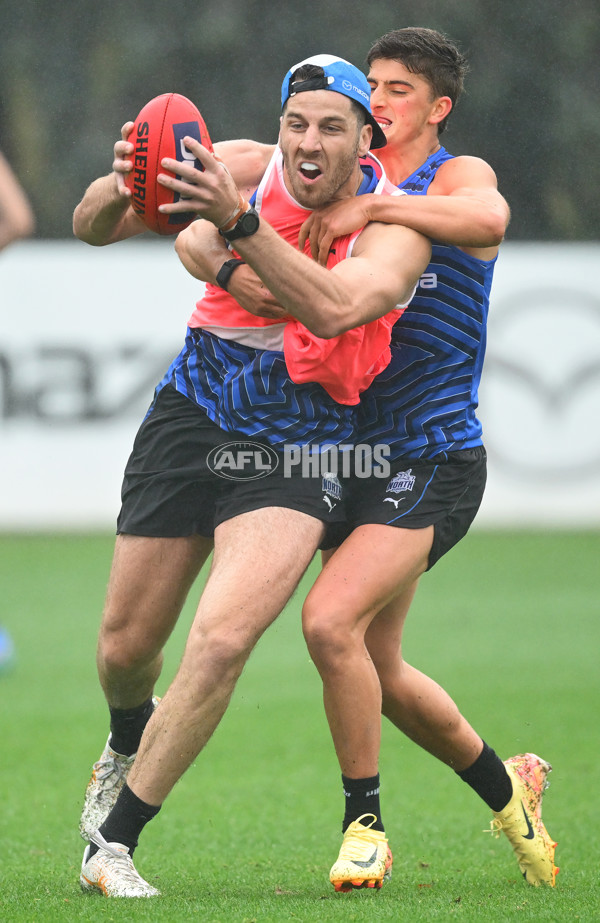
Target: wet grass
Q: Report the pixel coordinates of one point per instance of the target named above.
(508, 623)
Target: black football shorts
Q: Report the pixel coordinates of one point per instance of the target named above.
(445, 492)
(186, 475)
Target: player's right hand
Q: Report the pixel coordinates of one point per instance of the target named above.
(325, 224)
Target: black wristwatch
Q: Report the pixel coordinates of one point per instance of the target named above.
(226, 271)
(246, 225)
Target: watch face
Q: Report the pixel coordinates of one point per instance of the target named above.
(248, 223)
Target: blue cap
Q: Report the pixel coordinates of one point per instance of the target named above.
(341, 77)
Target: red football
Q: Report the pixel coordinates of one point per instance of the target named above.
(158, 132)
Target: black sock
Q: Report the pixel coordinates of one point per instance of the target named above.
(362, 797)
(126, 820)
(489, 778)
(127, 726)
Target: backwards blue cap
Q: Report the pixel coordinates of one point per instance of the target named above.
(341, 77)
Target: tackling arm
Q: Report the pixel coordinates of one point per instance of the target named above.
(463, 208)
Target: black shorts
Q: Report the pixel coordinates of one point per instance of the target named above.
(186, 475)
(443, 492)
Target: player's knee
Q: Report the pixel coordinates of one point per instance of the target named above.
(221, 650)
(327, 633)
(117, 658)
(125, 650)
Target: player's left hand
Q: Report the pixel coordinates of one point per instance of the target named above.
(335, 220)
(210, 192)
(122, 164)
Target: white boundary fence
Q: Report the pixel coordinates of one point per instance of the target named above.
(86, 333)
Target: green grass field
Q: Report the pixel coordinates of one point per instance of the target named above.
(508, 623)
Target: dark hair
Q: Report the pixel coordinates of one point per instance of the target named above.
(308, 71)
(428, 53)
(305, 72)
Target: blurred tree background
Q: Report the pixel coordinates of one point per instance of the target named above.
(72, 71)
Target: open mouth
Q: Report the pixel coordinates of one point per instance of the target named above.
(309, 171)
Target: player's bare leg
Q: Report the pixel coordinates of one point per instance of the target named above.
(422, 710)
(412, 701)
(258, 561)
(150, 579)
(149, 582)
(371, 567)
(361, 578)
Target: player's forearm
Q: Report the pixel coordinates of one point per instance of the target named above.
(104, 216)
(382, 273)
(202, 250)
(307, 291)
(477, 220)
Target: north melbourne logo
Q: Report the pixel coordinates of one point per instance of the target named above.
(242, 461)
(332, 489)
(402, 481)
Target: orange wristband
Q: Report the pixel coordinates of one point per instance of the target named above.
(231, 222)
